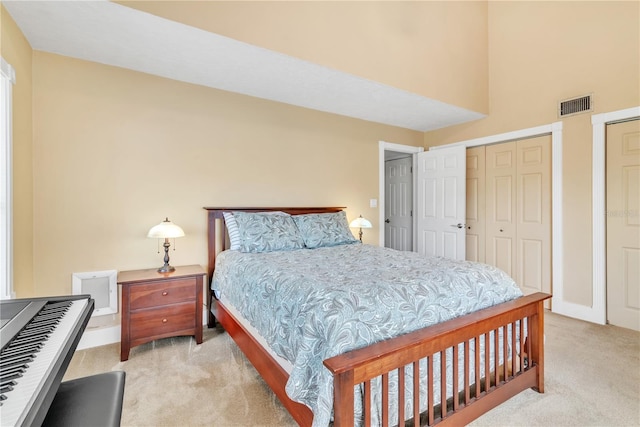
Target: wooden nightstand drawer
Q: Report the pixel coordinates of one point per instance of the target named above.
(162, 321)
(164, 292)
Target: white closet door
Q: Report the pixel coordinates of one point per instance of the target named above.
(518, 211)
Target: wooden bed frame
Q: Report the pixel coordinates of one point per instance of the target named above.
(524, 369)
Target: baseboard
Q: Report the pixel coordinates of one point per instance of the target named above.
(577, 311)
(97, 337)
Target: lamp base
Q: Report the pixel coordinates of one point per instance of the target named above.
(166, 269)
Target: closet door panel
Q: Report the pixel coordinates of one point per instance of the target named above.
(501, 206)
(475, 218)
(533, 226)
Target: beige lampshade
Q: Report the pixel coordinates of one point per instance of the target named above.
(360, 222)
(165, 230)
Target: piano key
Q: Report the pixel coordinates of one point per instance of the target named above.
(14, 353)
(26, 335)
(26, 340)
(12, 368)
(7, 388)
(44, 318)
(10, 377)
(24, 358)
(11, 371)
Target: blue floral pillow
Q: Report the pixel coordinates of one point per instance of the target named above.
(328, 229)
(267, 232)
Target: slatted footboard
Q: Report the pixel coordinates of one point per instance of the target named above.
(513, 332)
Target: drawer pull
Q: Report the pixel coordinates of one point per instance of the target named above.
(165, 293)
(164, 320)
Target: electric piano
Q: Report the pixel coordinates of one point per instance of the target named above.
(39, 337)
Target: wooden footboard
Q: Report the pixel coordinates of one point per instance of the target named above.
(523, 367)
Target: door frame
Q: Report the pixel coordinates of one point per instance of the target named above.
(7, 80)
(558, 305)
(390, 146)
(597, 313)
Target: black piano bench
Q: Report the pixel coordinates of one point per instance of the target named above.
(94, 401)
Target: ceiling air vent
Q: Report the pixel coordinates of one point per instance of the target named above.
(572, 106)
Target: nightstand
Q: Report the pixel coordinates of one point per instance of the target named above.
(160, 305)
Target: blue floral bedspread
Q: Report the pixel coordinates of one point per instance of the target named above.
(312, 304)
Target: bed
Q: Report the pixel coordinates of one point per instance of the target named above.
(450, 369)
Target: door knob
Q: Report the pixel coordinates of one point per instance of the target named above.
(387, 220)
(459, 225)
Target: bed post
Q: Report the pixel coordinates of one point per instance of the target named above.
(536, 334)
(211, 262)
(343, 400)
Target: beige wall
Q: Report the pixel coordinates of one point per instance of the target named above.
(437, 49)
(544, 52)
(108, 152)
(115, 151)
(16, 51)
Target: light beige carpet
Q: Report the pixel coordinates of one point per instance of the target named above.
(592, 379)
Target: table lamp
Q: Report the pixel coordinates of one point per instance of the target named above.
(360, 223)
(166, 230)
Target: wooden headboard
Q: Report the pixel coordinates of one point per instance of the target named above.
(217, 236)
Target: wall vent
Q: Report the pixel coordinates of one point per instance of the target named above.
(569, 107)
(103, 288)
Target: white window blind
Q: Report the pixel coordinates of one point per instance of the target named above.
(7, 80)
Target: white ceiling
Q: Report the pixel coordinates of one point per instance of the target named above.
(109, 33)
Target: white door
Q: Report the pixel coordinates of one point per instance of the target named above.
(623, 224)
(441, 202)
(398, 228)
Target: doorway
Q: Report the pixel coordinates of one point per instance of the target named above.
(398, 202)
(391, 151)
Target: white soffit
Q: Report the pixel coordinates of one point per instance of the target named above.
(112, 34)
